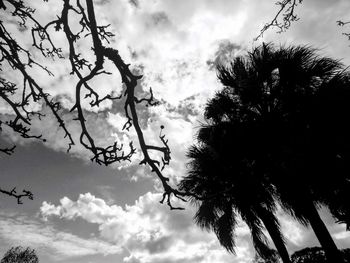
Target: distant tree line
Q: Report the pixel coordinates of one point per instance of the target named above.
(20, 255)
(306, 255)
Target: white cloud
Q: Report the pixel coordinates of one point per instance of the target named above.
(179, 39)
(342, 235)
(20, 230)
(150, 232)
(292, 230)
(173, 43)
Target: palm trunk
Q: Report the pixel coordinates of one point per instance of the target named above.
(275, 235)
(332, 253)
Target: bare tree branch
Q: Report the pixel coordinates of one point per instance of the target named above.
(85, 71)
(283, 18)
(19, 197)
(342, 23)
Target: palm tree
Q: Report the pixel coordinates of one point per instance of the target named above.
(334, 153)
(223, 195)
(273, 107)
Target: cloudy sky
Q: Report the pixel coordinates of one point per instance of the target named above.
(83, 212)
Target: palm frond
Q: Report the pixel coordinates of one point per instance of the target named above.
(259, 239)
(224, 229)
(207, 214)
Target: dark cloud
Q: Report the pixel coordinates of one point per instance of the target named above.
(157, 20)
(134, 3)
(185, 108)
(180, 221)
(159, 245)
(160, 18)
(224, 54)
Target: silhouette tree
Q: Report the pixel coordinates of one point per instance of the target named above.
(338, 205)
(298, 99)
(274, 258)
(316, 255)
(223, 195)
(283, 130)
(86, 67)
(286, 14)
(309, 255)
(20, 255)
(284, 17)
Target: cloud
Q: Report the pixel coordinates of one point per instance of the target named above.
(21, 230)
(299, 236)
(106, 128)
(47, 126)
(292, 230)
(225, 54)
(149, 231)
(179, 39)
(175, 45)
(342, 235)
(179, 128)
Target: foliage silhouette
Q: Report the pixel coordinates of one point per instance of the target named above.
(316, 255)
(224, 197)
(305, 255)
(309, 255)
(279, 124)
(20, 255)
(274, 258)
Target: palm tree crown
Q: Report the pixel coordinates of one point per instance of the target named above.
(277, 131)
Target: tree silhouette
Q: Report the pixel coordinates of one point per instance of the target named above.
(298, 101)
(224, 196)
(211, 176)
(309, 255)
(274, 258)
(287, 118)
(20, 255)
(286, 15)
(316, 255)
(86, 67)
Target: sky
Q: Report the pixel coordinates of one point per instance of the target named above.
(83, 212)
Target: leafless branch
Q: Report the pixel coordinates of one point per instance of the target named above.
(343, 24)
(286, 10)
(19, 197)
(8, 150)
(84, 71)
